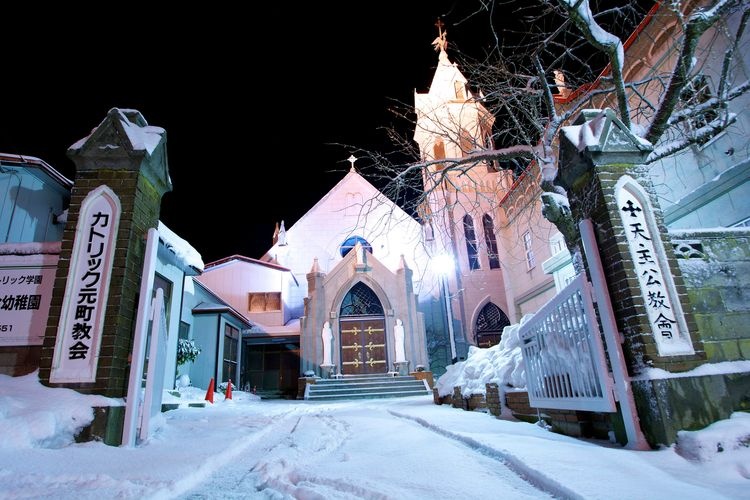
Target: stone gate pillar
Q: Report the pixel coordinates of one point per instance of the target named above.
(121, 176)
(600, 167)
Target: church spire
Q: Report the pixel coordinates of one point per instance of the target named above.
(282, 235)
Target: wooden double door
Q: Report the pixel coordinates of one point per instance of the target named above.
(363, 346)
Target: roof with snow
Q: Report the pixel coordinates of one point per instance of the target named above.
(183, 251)
(33, 162)
(124, 140)
(139, 135)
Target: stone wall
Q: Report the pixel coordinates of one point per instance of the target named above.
(715, 265)
(568, 422)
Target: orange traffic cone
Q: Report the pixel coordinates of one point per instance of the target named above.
(210, 392)
(228, 394)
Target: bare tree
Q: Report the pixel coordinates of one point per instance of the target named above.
(562, 57)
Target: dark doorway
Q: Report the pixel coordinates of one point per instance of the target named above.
(271, 369)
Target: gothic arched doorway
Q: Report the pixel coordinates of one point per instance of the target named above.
(489, 326)
(362, 337)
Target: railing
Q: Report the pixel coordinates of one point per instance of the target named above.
(562, 349)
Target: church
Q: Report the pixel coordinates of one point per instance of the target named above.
(357, 285)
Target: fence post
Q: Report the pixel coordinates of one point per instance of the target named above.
(612, 337)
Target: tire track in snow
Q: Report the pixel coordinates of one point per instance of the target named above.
(278, 467)
(531, 476)
(223, 475)
(319, 438)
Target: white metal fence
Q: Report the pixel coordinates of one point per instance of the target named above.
(562, 348)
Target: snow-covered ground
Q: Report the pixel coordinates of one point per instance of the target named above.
(399, 448)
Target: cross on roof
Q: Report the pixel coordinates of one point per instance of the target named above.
(441, 42)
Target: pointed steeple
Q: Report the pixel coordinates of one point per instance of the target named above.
(315, 267)
(450, 121)
(282, 235)
(275, 236)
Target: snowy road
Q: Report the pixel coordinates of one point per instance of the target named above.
(339, 451)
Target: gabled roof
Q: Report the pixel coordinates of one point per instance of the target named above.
(369, 192)
(241, 258)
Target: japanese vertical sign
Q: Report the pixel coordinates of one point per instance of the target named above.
(82, 315)
(25, 294)
(654, 277)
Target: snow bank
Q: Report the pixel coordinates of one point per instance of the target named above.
(501, 364)
(724, 436)
(36, 416)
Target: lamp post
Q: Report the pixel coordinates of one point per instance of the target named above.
(443, 265)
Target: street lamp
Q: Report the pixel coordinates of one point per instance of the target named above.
(444, 265)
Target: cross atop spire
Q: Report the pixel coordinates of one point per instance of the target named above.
(441, 42)
(351, 160)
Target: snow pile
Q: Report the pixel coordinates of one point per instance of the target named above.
(501, 364)
(33, 248)
(35, 416)
(722, 437)
(181, 248)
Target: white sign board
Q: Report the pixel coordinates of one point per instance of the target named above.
(157, 358)
(79, 332)
(25, 294)
(652, 270)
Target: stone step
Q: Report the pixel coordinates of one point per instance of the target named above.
(367, 395)
(372, 383)
(369, 388)
(366, 386)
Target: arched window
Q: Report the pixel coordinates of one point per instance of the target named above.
(350, 243)
(361, 301)
(472, 250)
(489, 326)
(489, 239)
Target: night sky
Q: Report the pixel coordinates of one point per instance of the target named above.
(263, 96)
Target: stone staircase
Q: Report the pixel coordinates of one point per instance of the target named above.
(366, 387)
